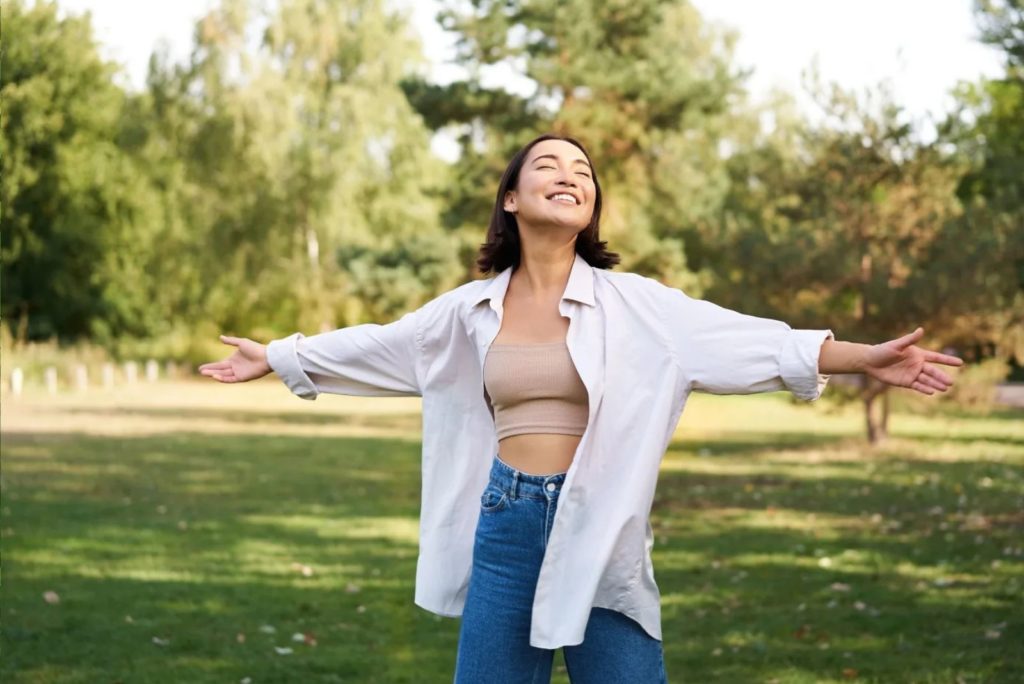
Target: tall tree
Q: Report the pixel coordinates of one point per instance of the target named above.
(855, 224)
(645, 84)
(71, 198)
(313, 185)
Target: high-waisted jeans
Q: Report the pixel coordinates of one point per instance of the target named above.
(516, 513)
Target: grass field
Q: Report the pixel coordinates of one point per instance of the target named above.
(196, 532)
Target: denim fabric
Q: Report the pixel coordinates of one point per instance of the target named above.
(516, 513)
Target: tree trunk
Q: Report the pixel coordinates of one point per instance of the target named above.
(877, 426)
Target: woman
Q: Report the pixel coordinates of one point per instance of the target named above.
(560, 395)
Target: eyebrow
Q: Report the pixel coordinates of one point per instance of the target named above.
(551, 156)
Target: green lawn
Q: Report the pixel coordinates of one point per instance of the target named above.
(190, 531)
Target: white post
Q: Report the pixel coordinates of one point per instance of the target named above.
(17, 379)
(131, 372)
(152, 371)
(81, 377)
(51, 379)
(108, 376)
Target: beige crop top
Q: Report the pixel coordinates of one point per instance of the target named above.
(534, 387)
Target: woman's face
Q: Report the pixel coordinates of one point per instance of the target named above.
(556, 187)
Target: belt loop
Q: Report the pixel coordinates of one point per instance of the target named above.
(515, 483)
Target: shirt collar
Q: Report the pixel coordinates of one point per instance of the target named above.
(579, 288)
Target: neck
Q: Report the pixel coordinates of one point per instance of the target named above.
(543, 270)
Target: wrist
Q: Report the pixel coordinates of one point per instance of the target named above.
(843, 357)
(264, 361)
(860, 359)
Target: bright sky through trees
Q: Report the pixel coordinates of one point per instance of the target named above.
(856, 44)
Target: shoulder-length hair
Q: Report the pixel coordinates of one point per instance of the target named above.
(503, 245)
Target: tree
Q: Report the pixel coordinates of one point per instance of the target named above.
(71, 198)
(644, 84)
(855, 225)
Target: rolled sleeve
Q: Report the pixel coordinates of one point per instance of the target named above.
(283, 358)
(798, 364)
(721, 351)
(369, 360)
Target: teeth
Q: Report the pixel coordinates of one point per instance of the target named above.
(561, 197)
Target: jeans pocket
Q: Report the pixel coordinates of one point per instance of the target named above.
(493, 499)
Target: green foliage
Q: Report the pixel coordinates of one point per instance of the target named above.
(232, 191)
(74, 204)
(646, 86)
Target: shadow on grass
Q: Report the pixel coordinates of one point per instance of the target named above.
(248, 417)
(199, 538)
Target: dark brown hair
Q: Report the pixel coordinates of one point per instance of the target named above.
(502, 247)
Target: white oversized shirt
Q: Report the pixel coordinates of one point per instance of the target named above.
(640, 348)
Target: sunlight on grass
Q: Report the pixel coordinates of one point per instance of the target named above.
(786, 549)
(396, 529)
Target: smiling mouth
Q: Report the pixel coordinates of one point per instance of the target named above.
(564, 198)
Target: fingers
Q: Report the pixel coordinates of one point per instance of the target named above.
(936, 357)
(907, 340)
(930, 380)
(214, 366)
(921, 387)
(937, 374)
(225, 376)
(231, 340)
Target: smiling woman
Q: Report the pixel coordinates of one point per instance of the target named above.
(550, 394)
(527, 204)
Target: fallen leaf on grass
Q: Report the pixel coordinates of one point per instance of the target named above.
(51, 597)
(849, 673)
(161, 642)
(283, 650)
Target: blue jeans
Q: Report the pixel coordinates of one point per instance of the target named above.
(516, 513)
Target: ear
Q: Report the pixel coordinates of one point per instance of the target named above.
(510, 202)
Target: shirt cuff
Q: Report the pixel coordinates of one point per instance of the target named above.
(799, 363)
(283, 359)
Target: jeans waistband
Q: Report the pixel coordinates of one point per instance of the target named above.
(517, 483)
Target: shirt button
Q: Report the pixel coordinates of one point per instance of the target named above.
(551, 486)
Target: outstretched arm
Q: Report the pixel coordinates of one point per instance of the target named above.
(369, 360)
(727, 352)
(898, 362)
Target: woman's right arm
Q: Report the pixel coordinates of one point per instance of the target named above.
(369, 360)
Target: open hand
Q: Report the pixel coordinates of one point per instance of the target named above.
(247, 363)
(901, 363)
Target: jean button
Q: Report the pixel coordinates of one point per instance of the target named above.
(551, 486)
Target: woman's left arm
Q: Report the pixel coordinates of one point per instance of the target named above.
(899, 362)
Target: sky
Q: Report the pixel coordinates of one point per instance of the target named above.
(922, 48)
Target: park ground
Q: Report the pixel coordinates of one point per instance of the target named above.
(195, 532)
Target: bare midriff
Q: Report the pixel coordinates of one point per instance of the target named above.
(535, 320)
(539, 453)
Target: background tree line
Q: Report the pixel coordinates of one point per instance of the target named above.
(282, 179)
